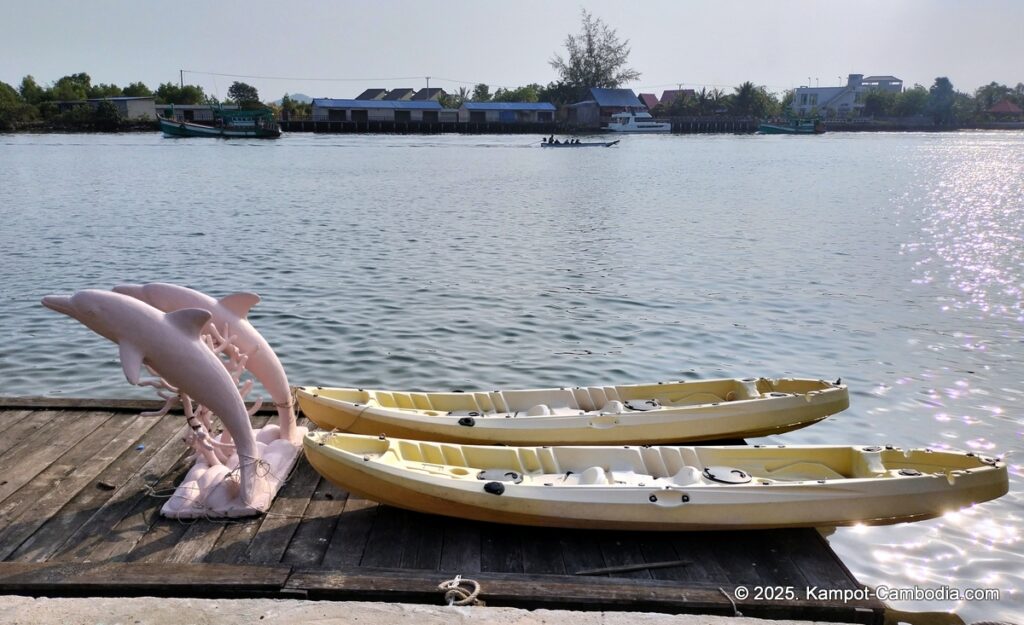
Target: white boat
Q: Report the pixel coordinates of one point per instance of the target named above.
(669, 412)
(659, 488)
(636, 122)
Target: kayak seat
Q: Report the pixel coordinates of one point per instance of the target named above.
(687, 476)
(805, 471)
(594, 475)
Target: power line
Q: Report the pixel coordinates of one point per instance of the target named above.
(322, 79)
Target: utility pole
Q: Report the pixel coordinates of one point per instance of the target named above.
(181, 78)
(428, 86)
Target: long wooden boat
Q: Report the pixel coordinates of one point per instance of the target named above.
(254, 124)
(582, 144)
(658, 488)
(668, 412)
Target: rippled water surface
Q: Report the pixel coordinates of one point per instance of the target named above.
(895, 261)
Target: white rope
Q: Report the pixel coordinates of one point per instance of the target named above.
(455, 594)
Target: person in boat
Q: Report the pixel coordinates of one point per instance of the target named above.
(544, 140)
(551, 139)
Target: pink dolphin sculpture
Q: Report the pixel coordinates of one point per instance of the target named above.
(231, 311)
(170, 344)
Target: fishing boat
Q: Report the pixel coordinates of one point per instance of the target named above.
(636, 122)
(250, 123)
(792, 127)
(669, 412)
(659, 488)
(582, 144)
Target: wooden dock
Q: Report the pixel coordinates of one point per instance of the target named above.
(83, 481)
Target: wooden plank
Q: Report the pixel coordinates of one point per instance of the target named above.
(311, 539)
(233, 542)
(387, 539)
(56, 531)
(811, 553)
(542, 551)
(562, 592)
(22, 463)
(501, 548)
(658, 550)
(580, 552)
(107, 404)
(701, 550)
(19, 425)
(112, 532)
(282, 520)
(623, 549)
(424, 541)
(461, 549)
(46, 495)
(348, 543)
(197, 541)
(161, 579)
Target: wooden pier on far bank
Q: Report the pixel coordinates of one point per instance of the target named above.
(688, 125)
(83, 481)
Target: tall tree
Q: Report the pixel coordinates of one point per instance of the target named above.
(596, 57)
(31, 91)
(241, 93)
(104, 91)
(170, 93)
(529, 93)
(911, 102)
(137, 90)
(481, 93)
(941, 97)
(13, 108)
(878, 103)
(72, 87)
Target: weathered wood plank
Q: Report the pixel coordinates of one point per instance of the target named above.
(501, 548)
(350, 533)
(282, 520)
(56, 531)
(542, 551)
(701, 550)
(555, 591)
(24, 462)
(197, 541)
(461, 549)
(160, 579)
(311, 539)
(658, 549)
(90, 403)
(44, 497)
(19, 425)
(424, 541)
(580, 552)
(387, 539)
(113, 531)
(623, 549)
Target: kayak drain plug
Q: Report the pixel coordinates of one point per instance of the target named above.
(467, 421)
(494, 488)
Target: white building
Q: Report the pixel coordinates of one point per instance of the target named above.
(844, 101)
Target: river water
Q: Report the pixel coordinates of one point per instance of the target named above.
(895, 261)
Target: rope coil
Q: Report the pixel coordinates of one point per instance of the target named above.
(455, 594)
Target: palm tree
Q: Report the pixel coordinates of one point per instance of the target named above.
(743, 99)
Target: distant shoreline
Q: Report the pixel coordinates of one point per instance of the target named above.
(724, 126)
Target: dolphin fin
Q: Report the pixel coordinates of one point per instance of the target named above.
(240, 303)
(191, 321)
(131, 361)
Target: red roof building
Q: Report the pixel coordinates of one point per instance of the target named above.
(649, 99)
(1005, 107)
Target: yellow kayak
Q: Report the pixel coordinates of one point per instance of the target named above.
(658, 488)
(668, 412)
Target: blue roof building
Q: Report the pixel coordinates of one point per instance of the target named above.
(507, 112)
(602, 104)
(335, 110)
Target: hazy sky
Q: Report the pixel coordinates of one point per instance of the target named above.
(395, 44)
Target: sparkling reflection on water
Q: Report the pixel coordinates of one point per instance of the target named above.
(894, 261)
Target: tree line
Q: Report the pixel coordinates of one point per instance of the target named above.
(594, 57)
(31, 102)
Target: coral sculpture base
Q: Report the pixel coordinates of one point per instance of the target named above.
(213, 491)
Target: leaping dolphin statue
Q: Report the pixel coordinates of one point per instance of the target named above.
(170, 344)
(232, 311)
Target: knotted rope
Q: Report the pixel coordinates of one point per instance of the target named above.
(455, 594)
